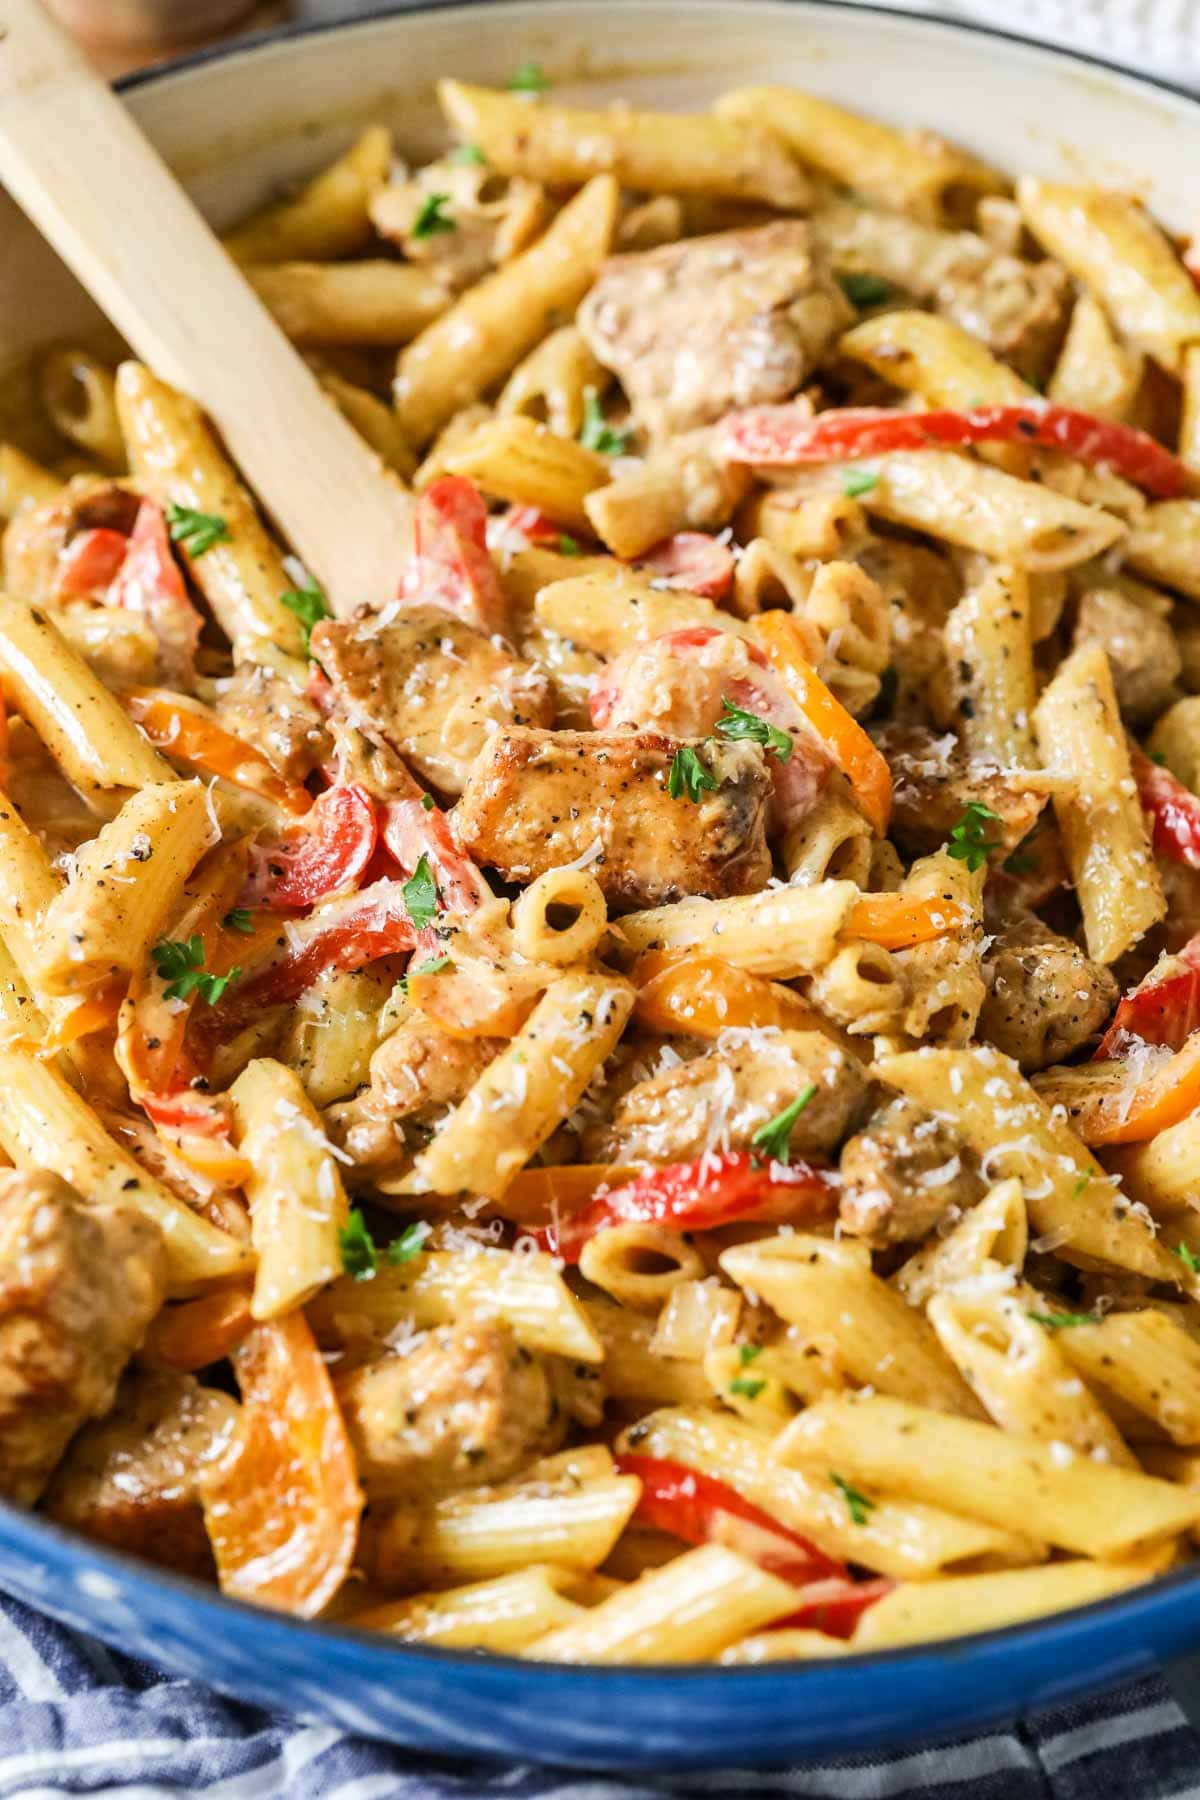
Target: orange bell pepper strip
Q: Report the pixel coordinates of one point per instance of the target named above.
(199, 1332)
(897, 921)
(782, 641)
(1104, 1110)
(182, 730)
(536, 1195)
(282, 1502)
(702, 996)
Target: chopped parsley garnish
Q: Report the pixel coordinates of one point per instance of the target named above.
(428, 803)
(735, 722)
(196, 531)
(181, 964)
(433, 965)
(238, 919)
(360, 1254)
(865, 290)
(1082, 1183)
(1063, 1321)
(750, 1387)
(1188, 1258)
(857, 1505)
(689, 776)
(421, 895)
(597, 434)
(410, 1243)
(431, 219)
(1156, 756)
(748, 1352)
(568, 546)
(968, 842)
(858, 481)
(530, 78)
(310, 607)
(468, 156)
(774, 1137)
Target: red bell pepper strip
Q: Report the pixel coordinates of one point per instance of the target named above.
(701, 1510)
(451, 567)
(714, 1190)
(346, 934)
(409, 830)
(325, 853)
(90, 564)
(1174, 810)
(783, 436)
(150, 583)
(692, 560)
(834, 1606)
(1159, 1012)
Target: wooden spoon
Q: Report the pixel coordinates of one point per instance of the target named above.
(73, 159)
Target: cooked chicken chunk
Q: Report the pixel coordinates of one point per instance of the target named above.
(415, 1073)
(935, 781)
(36, 539)
(719, 1101)
(1141, 648)
(464, 1404)
(1047, 996)
(478, 218)
(269, 712)
(431, 687)
(79, 1284)
(902, 1174)
(696, 328)
(1019, 309)
(130, 1480)
(538, 799)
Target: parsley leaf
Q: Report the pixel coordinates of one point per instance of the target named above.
(310, 607)
(1188, 1257)
(421, 895)
(859, 481)
(1082, 1183)
(196, 531)
(431, 219)
(360, 1258)
(735, 722)
(428, 803)
(410, 1243)
(181, 965)
(568, 546)
(529, 79)
(1062, 1321)
(749, 1387)
(865, 290)
(1156, 756)
(967, 841)
(433, 965)
(238, 919)
(857, 1505)
(748, 1352)
(774, 1137)
(689, 776)
(468, 156)
(597, 434)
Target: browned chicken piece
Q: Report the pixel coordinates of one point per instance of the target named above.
(487, 219)
(431, 687)
(1047, 996)
(902, 1174)
(416, 1072)
(35, 539)
(538, 799)
(462, 1405)
(1141, 648)
(697, 328)
(1019, 309)
(719, 1101)
(130, 1480)
(935, 781)
(79, 1284)
(269, 712)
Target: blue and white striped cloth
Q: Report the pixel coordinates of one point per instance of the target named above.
(76, 1718)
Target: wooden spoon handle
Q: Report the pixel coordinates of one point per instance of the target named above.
(73, 159)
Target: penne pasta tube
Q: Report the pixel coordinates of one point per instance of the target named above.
(634, 1369)
(1001, 1118)
(1113, 248)
(1000, 1477)
(1100, 819)
(689, 1610)
(1095, 371)
(828, 1293)
(608, 610)
(1148, 1360)
(652, 153)
(294, 1191)
(367, 303)
(782, 1645)
(126, 884)
(990, 1239)
(45, 1124)
(517, 460)
(890, 1536)
(989, 647)
(784, 932)
(373, 420)
(909, 172)
(241, 573)
(503, 1615)
(527, 1292)
(77, 392)
(922, 1612)
(1163, 1173)
(935, 358)
(24, 483)
(553, 383)
(528, 1089)
(1164, 545)
(487, 331)
(328, 217)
